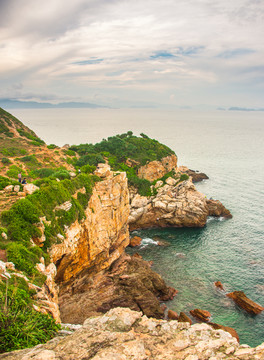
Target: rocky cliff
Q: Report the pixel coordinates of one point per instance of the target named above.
(122, 334)
(93, 244)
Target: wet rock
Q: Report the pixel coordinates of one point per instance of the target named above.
(202, 315)
(219, 285)
(135, 241)
(172, 315)
(184, 318)
(245, 303)
(196, 175)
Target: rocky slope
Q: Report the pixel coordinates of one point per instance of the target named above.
(157, 169)
(123, 334)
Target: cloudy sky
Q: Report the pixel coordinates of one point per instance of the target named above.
(133, 53)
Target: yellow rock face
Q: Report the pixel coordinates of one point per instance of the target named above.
(156, 169)
(93, 244)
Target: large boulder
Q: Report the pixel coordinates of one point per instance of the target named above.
(30, 188)
(245, 303)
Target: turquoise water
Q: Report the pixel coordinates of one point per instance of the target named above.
(229, 148)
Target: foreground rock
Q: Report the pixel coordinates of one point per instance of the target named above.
(122, 334)
(135, 241)
(225, 328)
(129, 282)
(174, 205)
(245, 303)
(202, 315)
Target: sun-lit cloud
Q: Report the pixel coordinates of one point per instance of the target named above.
(120, 52)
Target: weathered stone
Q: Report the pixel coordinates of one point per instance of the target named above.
(216, 208)
(245, 303)
(171, 181)
(16, 188)
(172, 315)
(30, 188)
(202, 315)
(139, 201)
(156, 169)
(102, 170)
(225, 328)
(8, 188)
(122, 334)
(135, 241)
(184, 318)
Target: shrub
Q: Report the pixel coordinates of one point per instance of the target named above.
(20, 325)
(23, 258)
(5, 161)
(184, 177)
(62, 174)
(52, 146)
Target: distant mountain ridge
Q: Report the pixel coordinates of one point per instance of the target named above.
(17, 104)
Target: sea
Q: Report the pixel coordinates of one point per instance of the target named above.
(229, 147)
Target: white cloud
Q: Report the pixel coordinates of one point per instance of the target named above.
(95, 47)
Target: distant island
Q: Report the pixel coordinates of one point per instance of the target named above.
(17, 104)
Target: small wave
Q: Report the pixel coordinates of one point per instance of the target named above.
(214, 218)
(148, 241)
(180, 255)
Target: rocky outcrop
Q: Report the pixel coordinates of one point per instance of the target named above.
(245, 303)
(174, 205)
(123, 334)
(128, 283)
(156, 169)
(95, 243)
(216, 208)
(184, 318)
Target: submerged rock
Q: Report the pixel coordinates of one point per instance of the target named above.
(245, 303)
(219, 285)
(123, 334)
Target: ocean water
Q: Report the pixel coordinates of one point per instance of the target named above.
(228, 146)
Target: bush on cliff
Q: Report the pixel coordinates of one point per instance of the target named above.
(141, 149)
(20, 325)
(22, 219)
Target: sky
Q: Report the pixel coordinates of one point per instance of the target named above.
(133, 53)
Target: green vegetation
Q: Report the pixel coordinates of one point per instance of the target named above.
(4, 181)
(6, 161)
(141, 149)
(20, 325)
(21, 220)
(52, 146)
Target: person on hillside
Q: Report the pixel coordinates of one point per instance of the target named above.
(19, 177)
(24, 181)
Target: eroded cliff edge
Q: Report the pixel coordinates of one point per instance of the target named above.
(93, 273)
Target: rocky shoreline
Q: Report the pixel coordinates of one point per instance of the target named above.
(123, 334)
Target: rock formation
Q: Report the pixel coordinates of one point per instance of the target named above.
(123, 334)
(156, 169)
(176, 205)
(100, 239)
(245, 303)
(128, 283)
